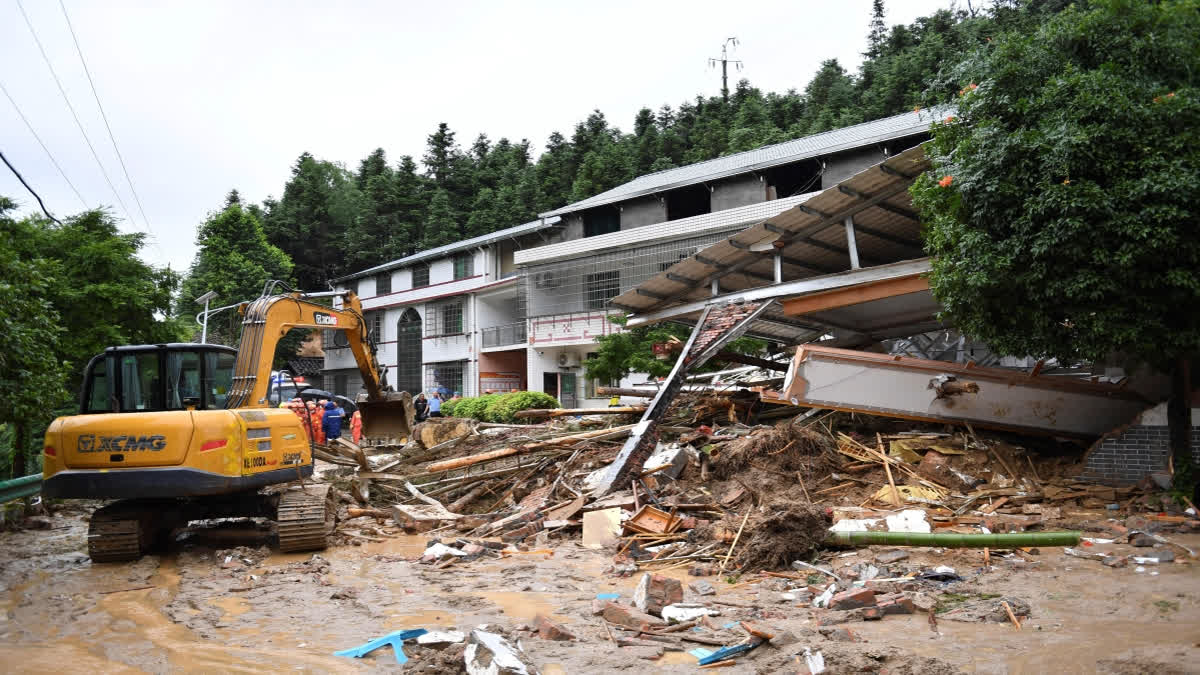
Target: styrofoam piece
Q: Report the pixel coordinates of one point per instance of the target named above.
(686, 611)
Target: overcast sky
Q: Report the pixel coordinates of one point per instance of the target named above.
(208, 96)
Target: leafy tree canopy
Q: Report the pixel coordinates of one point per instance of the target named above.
(631, 351)
(1063, 207)
(235, 261)
(70, 291)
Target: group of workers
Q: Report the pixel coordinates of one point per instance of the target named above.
(431, 406)
(324, 419)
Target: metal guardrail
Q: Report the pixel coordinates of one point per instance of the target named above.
(25, 486)
(508, 334)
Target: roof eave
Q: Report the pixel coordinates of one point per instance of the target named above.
(749, 168)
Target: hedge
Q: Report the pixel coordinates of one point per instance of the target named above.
(500, 408)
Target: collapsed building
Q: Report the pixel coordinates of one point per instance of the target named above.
(845, 269)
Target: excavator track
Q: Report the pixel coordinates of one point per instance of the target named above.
(117, 535)
(304, 518)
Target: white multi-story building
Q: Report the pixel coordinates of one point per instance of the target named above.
(477, 326)
(444, 319)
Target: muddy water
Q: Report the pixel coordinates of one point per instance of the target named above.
(58, 612)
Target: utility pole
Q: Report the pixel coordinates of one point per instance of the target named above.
(725, 61)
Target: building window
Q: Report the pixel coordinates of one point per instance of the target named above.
(375, 326)
(408, 352)
(420, 275)
(464, 266)
(383, 283)
(600, 221)
(445, 318)
(334, 339)
(602, 287)
(448, 377)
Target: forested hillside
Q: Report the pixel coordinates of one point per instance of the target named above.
(332, 219)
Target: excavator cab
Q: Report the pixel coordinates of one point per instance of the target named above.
(156, 378)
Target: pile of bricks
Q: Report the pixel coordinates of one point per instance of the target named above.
(864, 604)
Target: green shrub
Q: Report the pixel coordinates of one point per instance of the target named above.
(500, 408)
(474, 406)
(503, 409)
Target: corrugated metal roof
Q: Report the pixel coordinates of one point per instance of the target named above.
(813, 239)
(888, 128)
(671, 229)
(482, 240)
(886, 230)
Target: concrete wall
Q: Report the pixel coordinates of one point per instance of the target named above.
(843, 165)
(495, 310)
(738, 191)
(572, 227)
(1128, 454)
(644, 211)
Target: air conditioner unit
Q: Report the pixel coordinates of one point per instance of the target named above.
(568, 360)
(548, 279)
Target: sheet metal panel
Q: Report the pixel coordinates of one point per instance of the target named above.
(898, 386)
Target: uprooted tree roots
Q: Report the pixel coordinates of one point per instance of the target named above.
(784, 532)
(784, 447)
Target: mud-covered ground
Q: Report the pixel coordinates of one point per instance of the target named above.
(222, 602)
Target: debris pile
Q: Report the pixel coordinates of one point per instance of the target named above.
(750, 505)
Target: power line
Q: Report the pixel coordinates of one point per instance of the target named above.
(104, 115)
(27, 187)
(70, 107)
(39, 140)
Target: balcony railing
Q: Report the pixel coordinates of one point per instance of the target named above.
(508, 334)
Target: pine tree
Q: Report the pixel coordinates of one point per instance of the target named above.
(877, 32)
(441, 228)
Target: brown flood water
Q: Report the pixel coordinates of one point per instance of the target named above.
(184, 613)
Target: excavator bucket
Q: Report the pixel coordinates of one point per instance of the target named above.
(390, 417)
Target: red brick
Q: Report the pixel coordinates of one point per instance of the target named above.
(655, 591)
(899, 605)
(549, 630)
(871, 614)
(853, 599)
(630, 617)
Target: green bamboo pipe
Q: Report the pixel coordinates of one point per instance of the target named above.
(954, 540)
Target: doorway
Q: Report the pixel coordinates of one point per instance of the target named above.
(562, 387)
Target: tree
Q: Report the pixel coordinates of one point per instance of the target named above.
(319, 205)
(105, 290)
(632, 351)
(234, 260)
(390, 210)
(877, 31)
(31, 374)
(1062, 209)
(441, 227)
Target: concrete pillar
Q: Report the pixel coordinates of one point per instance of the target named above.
(850, 243)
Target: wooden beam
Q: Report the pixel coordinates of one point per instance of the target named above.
(853, 295)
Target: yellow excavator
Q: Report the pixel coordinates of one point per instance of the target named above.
(185, 432)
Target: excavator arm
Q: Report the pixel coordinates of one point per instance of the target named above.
(265, 322)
